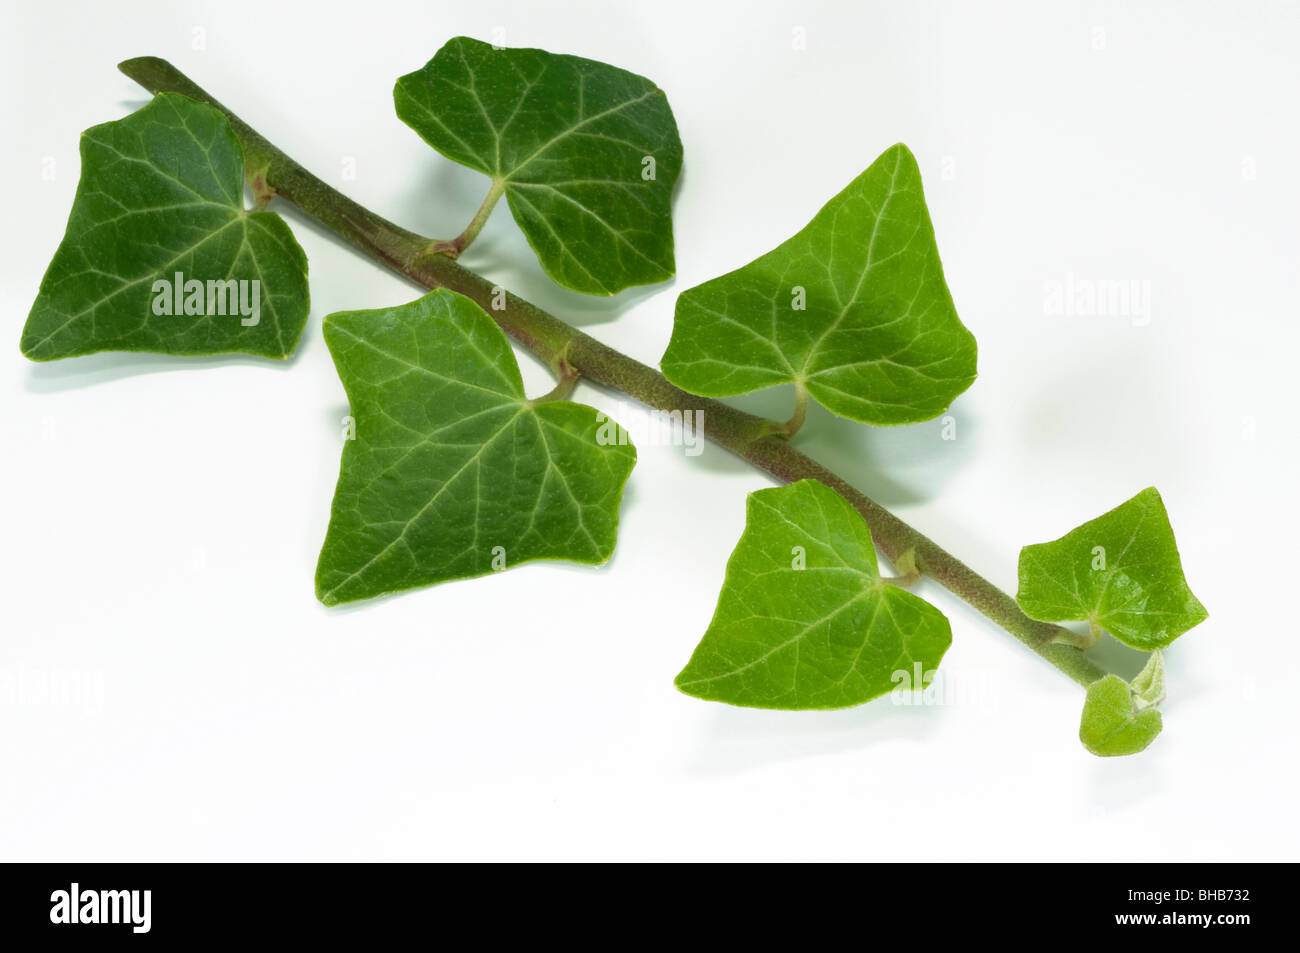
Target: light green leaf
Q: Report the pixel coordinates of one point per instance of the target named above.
(1120, 571)
(587, 154)
(452, 472)
(162, 194)
(804, 619)
(854, 309)
(1149, 686)
(1110, 725)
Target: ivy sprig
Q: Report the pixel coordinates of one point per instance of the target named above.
(453, 471)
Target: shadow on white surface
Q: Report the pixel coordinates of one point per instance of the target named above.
(1115, 656)
(892, 465)
(1123, 785)
(743, 739)
(75, 372)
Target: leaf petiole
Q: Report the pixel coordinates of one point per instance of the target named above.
(568, 379)
(800, 411)
(452, 248)
(1081, 641)
(787, 429)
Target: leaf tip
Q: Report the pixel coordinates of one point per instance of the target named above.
(686, 681)
(31, 352)
(326, 597)
(900, 150)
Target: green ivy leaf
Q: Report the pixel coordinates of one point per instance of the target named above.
(804, 619)
(452, 472)
(161, 194)
(586, 153)
(854, 309)
(1120, 571)
(1149, 687)
(1110, 725)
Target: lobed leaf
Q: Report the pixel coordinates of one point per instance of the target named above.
(854, 309)
(1111, 726)
(804, 619)
(1120, 571)
(162, 194)
(453, 472)
(586, 153)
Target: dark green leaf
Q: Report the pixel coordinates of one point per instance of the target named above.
(453, 472)
(162, 194)
(587, 154)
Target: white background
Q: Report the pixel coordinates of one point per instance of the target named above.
(170, 688)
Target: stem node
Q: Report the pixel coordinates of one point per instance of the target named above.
(567, 375)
